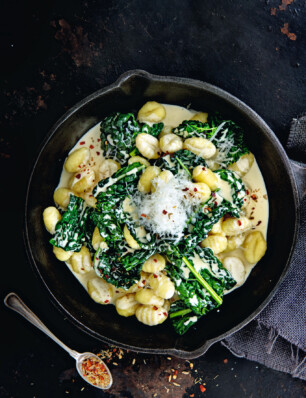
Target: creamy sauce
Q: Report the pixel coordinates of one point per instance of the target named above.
(257, 207)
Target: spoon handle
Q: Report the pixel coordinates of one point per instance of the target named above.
(15, 303)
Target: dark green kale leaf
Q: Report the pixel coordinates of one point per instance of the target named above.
(182, 160)
(119, 268)
(192, 128)
(112, 190)
(190, 290)
(119, 132)
(70, 230)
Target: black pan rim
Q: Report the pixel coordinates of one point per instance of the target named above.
(251, 114)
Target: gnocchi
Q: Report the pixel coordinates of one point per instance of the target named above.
(200, 146)
(201, 191)
(162, 285)
(234, 226)
(61, 254)
(148, 146)
(108, 168)
(51, 217)
(204, 174)
(151, 315)
(99, 290)
(76, 160)
(81, 182)
(96, 239)
(138, 159)
(129, 238)
(146, 179)
(254, 246)
(81, 261)
(154, 264)
(62, 196)
(171, 143)
(164, 176)
(147, 296)
(217, 243)
(127, 305)
(151, 112)
(200, 117)
(243, 165)
(235, 266)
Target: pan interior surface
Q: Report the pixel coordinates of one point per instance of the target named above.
(129, 94)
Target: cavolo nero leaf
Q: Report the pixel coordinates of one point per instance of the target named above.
(182, 160)
(70, 230)
(119, 132)
(193, 296)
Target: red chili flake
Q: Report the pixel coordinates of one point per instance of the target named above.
(247, 191)
(154, 259)
(98, 153)
(208, 208)
(216, 203)
(165, 212)
(165, 313)
(143, 215)
(106, 301)
(155, 308)
(191, 395)
(78, 176)
(144, 282)
(202, 388)
(195, 189)
(225, 360)
(99, 139)
(259, 222)
(155, 276)
(239, 222)
(213, 194)
(185, 189)
(203, 168)
(91, 146)
(254, 197)
(117, 291)
(106, 276)
(82, 142)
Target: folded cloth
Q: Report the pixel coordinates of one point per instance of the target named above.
(276, 338)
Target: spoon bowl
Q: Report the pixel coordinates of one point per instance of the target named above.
(94, 363)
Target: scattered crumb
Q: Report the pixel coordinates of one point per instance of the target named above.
(285, 31)
(225, 360)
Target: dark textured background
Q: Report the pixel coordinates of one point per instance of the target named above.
(54, 53)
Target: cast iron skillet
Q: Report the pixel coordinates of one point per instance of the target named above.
(127, 94)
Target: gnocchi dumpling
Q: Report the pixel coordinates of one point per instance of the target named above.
(216, 229)
(62, 197)
(138, 159)
(200, 117)
(81, 261)
(164, 176)
(204, 174)
(151, 112)
(201, 191)
(81, 182)
(234, 226)
(200, 146)
(254, 246)
(217, 243)
(108, 168)
(171, 143)
(147, 296)
(96, 239)
(148, 145)
(146, 178)
(61, 254)
(100, 291)
(151, 315)
(243, 165)
(235, 266)
(127, 305)
(76, 160)
(144, 276)
(233, 242)
(162, 285)
(51, 216)
(154, 264)
(129, 238)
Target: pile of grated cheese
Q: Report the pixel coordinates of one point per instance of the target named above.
(167, 210)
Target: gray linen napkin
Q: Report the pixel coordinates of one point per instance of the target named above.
(276, 338)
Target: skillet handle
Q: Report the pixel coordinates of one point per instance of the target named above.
(299, 170)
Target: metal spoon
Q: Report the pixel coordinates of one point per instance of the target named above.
(15, 303)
